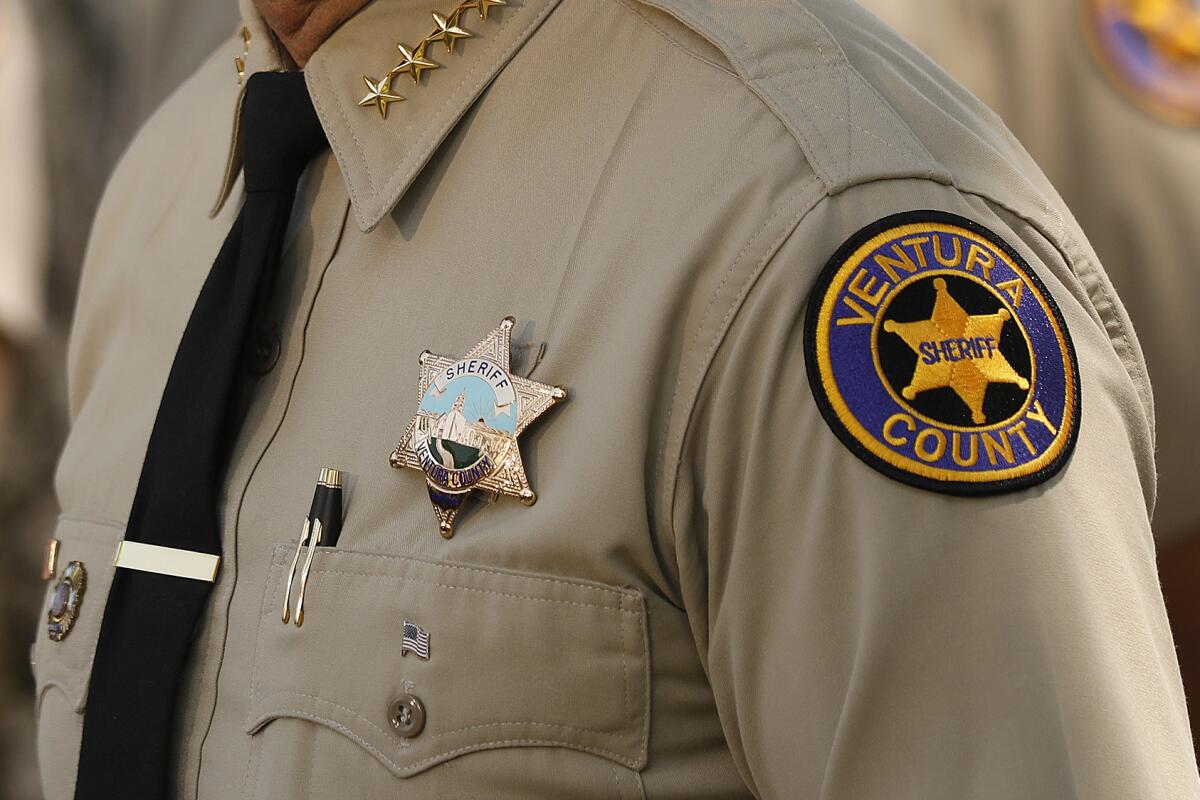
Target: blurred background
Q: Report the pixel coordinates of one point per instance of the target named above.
(1104, 93)
(77, 79)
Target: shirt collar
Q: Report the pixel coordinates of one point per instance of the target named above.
(379, 158)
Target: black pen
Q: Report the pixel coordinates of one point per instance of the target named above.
(321, 528)
(327, 506)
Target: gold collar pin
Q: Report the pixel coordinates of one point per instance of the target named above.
(448, 30)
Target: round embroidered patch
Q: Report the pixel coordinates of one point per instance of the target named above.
(1151, 50)
(939, 358)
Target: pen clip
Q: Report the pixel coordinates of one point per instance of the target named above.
(287, 595)
(313, 542)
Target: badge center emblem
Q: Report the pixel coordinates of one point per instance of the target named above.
(464, 434)
(952, 353)
(65, 600)
(466, 423)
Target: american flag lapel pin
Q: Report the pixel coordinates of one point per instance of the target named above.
(416, 640)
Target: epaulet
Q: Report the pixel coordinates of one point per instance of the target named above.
(789, 58)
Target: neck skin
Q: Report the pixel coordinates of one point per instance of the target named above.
(302, 25)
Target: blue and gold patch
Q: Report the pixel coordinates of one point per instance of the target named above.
(1151, 50)
(939, 358)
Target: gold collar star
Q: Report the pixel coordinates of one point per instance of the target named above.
(464, 434)
(958, 350)
(379, 94)
(448, 30)
(414, 62)
(484, 6)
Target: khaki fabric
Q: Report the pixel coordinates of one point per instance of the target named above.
(712, 596)
(1128, 176)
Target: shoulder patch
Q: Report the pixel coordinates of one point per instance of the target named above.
(939, 358)
(1151, 50)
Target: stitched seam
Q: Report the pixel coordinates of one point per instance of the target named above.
(251, 762)
(272, 588)
(616, 780)
(509, 742)
(1079, 255)
(850, 126)
(408, 769)
(1102, 285)
(471, 71)
(911, 143)
(625, 668)
(840, 59)
(319, 74)
(706, 362)
(644, 642)
(485, 725)
(803, 101)
(349, 732)
(837, 58)
(695, 340)
(618, 593)
(474, 589)
(254, 752)
(751, 75)
(675, 42)
(465, 728)
(729, 33)
(433, 133)
(336, 705)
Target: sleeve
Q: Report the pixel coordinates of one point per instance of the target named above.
(868, 634)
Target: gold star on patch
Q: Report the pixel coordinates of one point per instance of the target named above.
(464, 434)
(414, 62)
(447, 31)
(958, 350)
(379, 94)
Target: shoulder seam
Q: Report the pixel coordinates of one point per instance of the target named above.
(629, 6)
(801, 202)
(1105, 302)
(828, 136)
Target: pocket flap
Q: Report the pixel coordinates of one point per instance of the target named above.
(514, 659)
(67, 664)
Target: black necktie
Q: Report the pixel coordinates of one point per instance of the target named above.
(150, 618)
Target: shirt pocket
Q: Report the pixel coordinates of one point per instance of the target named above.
(63, 669)
(534, 685)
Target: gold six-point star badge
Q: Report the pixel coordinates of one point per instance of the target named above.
(464, 435)
(969, 359)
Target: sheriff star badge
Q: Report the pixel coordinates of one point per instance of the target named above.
(464, 435)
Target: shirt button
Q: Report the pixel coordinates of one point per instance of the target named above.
(265, 350)
(407, 716)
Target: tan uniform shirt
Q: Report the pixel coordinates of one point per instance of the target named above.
(713, 596)
(1128, 175)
